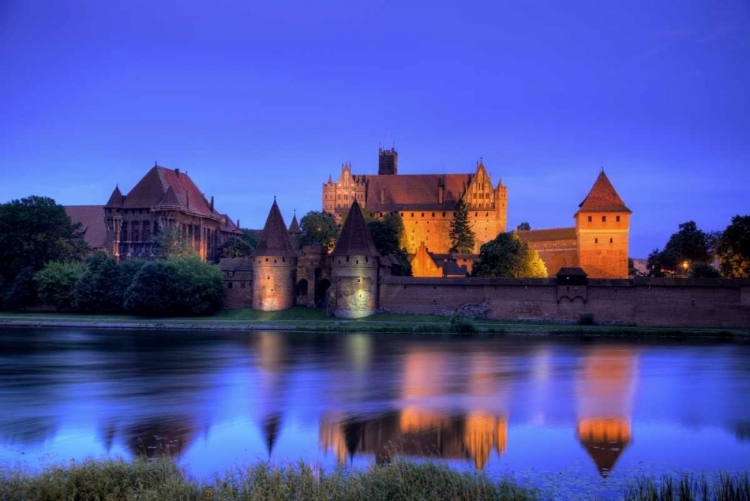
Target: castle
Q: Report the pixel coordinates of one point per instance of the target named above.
(598, 242)
(164, 198)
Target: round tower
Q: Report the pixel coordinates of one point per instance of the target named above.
(354, 269)
(274, 266)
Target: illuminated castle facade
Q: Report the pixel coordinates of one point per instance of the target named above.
(598, 242)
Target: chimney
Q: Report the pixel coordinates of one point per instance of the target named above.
(382, 195)
(212, 202)
(177, 171)
(441, 194)
(238, 223)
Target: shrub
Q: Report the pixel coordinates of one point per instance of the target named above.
(55, 283)
(586, 319)
(21, 293)
(460, 324)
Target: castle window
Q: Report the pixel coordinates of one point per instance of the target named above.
(596, 240)
(423, 214)
(229, 285)
(589, 219)
(266, 260)
(433, 214)
(604, 219)
(412, 214)
(617, 219)
(242, 285)
(610, 240)
(443, 214)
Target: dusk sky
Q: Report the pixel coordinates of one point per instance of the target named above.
(256, 99)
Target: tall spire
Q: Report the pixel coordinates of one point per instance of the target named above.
(275, 241)
(355, 238)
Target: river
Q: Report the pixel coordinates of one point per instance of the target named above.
(539, 409)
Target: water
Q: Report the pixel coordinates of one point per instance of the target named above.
(542, 410)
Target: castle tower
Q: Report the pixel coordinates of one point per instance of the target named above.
(114, 221)
(387, 162)
(602, 227)
(355, 268)
(501, 207)
(274, 266)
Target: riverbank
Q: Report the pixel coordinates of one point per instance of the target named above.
(314, 320)
(163, 480)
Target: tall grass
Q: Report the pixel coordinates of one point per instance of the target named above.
(161, 480)
(690, 488)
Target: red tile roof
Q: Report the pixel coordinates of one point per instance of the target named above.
(115, 200)
(275, 241)
(154, 190)
(414, 192)
(603, 197)
(91, 218)
(355, 238)
(547, 235)
(294, 227)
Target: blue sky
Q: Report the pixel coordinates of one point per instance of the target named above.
(256, 99)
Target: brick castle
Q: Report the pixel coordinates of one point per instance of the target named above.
(598, 242)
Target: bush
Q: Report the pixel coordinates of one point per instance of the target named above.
(586, 319)
(175, 286)
(55, 283)
(462, 325)
(95, 290)
(21, 293)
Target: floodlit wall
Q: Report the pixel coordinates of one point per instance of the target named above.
(642, 302)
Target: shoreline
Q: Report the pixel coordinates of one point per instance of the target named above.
(306, 320)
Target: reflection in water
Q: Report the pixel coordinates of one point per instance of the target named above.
(216, 402)
(470, 436)
(605, 392)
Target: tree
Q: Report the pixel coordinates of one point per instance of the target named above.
(703, 270)
(388, 236)
(236, 247)
(169, 242)
(733, 249)
(21, 293)
(689, 245)
(56, 281)
(319, 228)
(35, 231)
(507, 256)
(461, 235)
(523, 226)
(96, 290)
(176, 286)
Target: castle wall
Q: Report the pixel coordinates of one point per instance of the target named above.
(355, 286)
(274, 282)
(644, 302)
(556, 254)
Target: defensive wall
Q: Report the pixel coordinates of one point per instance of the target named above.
(643, 302)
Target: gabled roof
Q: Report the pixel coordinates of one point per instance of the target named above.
(91, 218)
(152, 189)
(355, 238)
(548, 235)
(294, 227)
(275, 241)
(603, 197)
(414, 192)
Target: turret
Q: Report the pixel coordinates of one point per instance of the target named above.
(274, 266)
(602, 227)
(355, 269)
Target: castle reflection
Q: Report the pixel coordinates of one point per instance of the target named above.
(470, 436)
(604, 400)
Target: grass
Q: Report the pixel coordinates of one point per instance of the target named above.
(162, 480)
(688, 488)
(301, 318)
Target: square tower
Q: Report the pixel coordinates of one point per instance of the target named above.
(387, 162)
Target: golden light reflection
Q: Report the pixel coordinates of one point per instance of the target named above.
(605, 395)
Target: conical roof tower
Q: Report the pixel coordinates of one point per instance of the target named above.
(275, 241)
(603, 197)
(355, 238)
(274, 266)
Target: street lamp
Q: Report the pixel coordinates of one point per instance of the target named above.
(684, 268)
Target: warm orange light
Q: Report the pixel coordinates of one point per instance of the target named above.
(685, 265)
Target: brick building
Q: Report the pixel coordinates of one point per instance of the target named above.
(598, 242)
(425, 202)
(163, 198)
